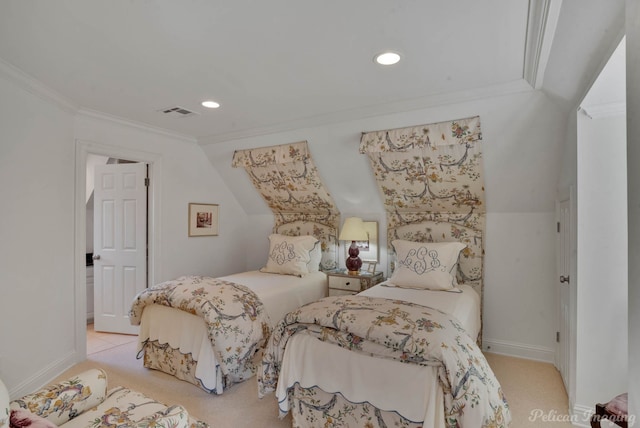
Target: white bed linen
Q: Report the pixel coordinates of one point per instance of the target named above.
(282, 293)
(181, 330)
(465, 306)
(410, 390)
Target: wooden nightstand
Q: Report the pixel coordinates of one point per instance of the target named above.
(340, 282)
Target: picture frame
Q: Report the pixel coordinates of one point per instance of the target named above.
(370, 267)
(203, 219)
(368, 249)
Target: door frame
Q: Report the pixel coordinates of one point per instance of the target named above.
(154, 161)
(570, 196)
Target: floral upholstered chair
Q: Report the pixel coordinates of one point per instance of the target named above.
(83, 401)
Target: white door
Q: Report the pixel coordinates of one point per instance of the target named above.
(119, 243)
(563, 282)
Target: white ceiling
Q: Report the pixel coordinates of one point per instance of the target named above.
(279, 64)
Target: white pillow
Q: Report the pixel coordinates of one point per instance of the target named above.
(316, 258)
(289, 255)
(426, 265)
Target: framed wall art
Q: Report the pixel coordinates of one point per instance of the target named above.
(203, 219)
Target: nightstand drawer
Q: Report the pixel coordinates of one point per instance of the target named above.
(337, 292)
(342, 283)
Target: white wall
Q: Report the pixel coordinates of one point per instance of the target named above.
(633, 180)
(601, 341)
(36, 234)
(520, 295)
(522, 137)
(38, 136)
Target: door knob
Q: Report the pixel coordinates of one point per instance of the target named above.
(564, 278)
(96, 257)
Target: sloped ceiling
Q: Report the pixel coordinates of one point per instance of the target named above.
(587, 34)
(274, 65)
(608, 96)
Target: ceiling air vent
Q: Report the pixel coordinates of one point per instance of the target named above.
(178, 112)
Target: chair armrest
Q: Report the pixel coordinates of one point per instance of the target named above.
(65, 400)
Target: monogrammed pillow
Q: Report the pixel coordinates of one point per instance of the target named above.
(426, 265)
(289, 255)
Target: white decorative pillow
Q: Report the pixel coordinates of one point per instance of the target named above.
(426, 265)
(315, 258)
(289, 255)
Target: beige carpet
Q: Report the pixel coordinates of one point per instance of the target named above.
(528, 385)
(534, 391)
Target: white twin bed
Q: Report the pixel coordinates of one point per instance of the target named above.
(191, 327)
(426, 378)
(412, 391)
(403, 353)
(177, 342)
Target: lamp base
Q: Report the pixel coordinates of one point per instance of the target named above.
(353, 262)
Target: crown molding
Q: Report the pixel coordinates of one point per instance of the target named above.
(35, 87)
(542, 21)
(516, 86)
(600, 111)
(94, 114)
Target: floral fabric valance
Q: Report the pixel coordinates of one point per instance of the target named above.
(289, 182)
(263, 156)
(433, 168)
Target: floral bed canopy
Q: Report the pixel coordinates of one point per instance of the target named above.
(431, 182)
(289, 182)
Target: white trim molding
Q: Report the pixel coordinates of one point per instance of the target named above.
(35, 87)
(581, 415)
(541, 28)
(44, 376)
(520, 350)
(517, 86)
(136, 125)
(601, 111)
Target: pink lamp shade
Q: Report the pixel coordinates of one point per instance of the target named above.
(353, 230)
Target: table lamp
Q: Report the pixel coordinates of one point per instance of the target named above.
(353, 230)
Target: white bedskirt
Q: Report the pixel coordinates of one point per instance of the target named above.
(412, 391)
(187, 332)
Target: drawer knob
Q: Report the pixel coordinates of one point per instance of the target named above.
(347, 283)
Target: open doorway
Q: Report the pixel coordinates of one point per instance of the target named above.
(84, 312)
(98, 341)
(116, 246)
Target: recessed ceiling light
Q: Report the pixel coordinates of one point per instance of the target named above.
(387, 58)
(210, 104)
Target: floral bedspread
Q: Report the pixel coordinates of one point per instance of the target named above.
(237, 323)
(406, 332)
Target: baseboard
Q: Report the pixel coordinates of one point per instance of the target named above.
(44, 376)
(581, 415)
(520, 350)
